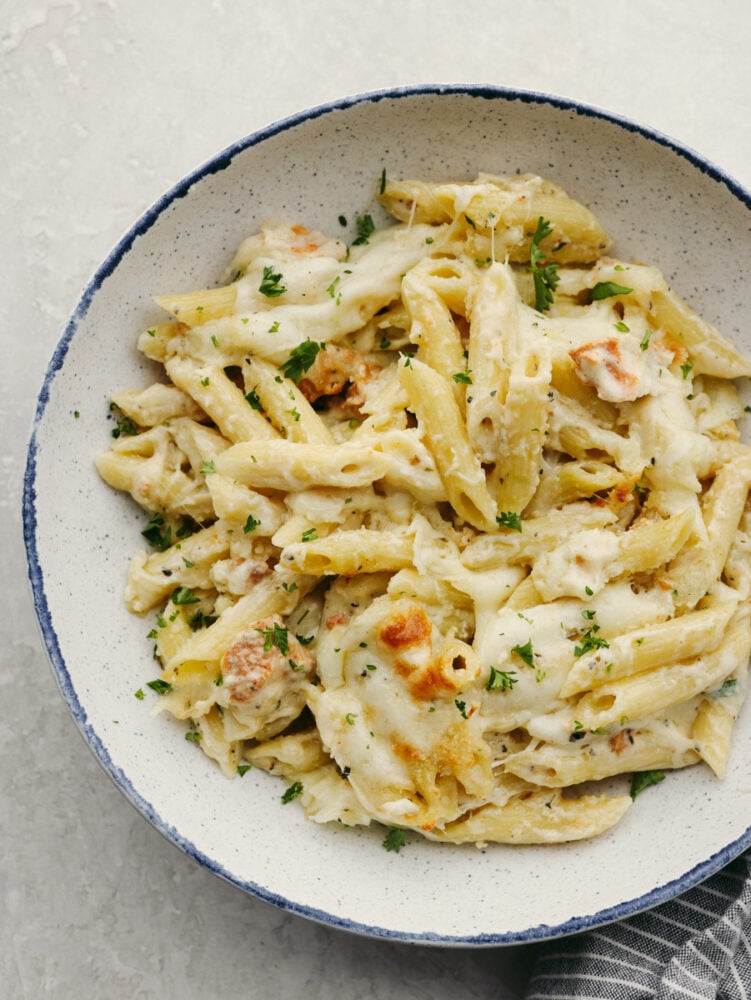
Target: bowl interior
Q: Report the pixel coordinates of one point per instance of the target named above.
(662, 205)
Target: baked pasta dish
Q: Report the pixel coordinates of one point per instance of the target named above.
(446, 525)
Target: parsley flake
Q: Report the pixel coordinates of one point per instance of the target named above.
(726, 689)
(160, 686)
(544, 276)
(276, 635)
(293, 792)
(184, 595)
(525, 653)
(606, 289)
(253, 400)
(395, 839)
(643, 779)
(271, 285)
(301, 359)
(501, 680)
(509, 519)
(365, 229)
(157, 533)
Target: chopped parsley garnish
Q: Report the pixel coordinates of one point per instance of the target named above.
(644, 344)
(365, 229)
(309, 535)
(544, 276)
(501, 680)
(253, 399)
(350, 717)
(207, 468)
(332, 289)
(184, 595)
(193, 736)
(277, 635)
(686, 369)
(621, 327)
(462, 706)
(301, 359)
(250, 525)
(271, 285)
(157, 533)
(464, 378)
(726, 689)
(124, 424)
(525, 653)
(161, 687)
(200, 620)
(243, 769)
(606, 289)
(509, 519)
(395, 839)
(643, 779)
(139, 694)
(591, 640)
(293, 792)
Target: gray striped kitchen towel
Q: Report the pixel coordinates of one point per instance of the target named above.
(695, 947)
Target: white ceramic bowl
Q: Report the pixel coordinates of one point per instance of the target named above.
(662, 203)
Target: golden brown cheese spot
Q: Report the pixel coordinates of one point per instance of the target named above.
(405, 751)
(424, 684)
(407, 634)
(405, 629)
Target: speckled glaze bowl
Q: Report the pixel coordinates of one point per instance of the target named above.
(661, 203)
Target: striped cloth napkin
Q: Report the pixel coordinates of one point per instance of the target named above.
(695, 947)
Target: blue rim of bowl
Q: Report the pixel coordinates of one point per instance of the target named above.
(216, 164)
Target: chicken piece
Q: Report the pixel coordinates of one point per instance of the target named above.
(621, 370)
(239, 576)
(263, 677)
(333, 369)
